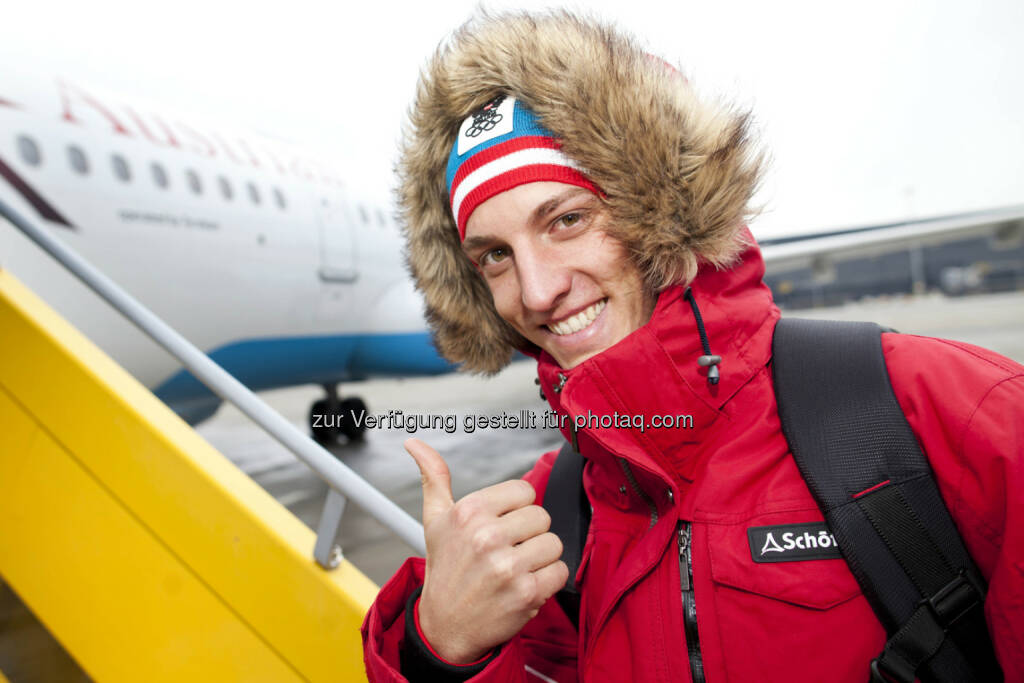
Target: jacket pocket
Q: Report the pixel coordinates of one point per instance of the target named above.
(811, 583)
(792, 618)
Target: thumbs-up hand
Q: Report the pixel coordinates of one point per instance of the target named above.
(491, 562)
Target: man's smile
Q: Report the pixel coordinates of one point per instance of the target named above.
(579, 321)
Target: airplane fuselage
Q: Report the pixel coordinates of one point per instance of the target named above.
(252, 250)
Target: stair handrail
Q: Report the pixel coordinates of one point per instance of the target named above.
(343, 482)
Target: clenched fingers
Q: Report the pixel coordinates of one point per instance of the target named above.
(550, 580)
(500, 498)
(540, 551)
(524, 523)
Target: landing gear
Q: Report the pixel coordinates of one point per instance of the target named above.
(330, 417)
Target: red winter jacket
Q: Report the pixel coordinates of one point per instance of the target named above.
(732, 470)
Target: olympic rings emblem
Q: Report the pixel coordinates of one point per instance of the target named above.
(487, 118)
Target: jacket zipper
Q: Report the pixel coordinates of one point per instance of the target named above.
(689, 605)
(685, 577)
(635, 485)
(685, 568)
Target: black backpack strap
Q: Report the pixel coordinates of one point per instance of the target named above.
(567, 503)
(867, 473)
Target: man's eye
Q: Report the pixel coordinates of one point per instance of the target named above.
(570, 219)
(494, 256)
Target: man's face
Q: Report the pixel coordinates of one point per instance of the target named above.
(555, 275)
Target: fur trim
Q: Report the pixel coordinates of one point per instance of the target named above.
(678, 173)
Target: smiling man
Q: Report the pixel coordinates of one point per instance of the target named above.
(569, 196)
(556, 275)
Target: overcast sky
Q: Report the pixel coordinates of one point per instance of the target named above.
(871, 111)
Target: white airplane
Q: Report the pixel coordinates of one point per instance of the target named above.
(249, 248)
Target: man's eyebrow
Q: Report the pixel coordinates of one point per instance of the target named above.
(472, 243)
(550, 205)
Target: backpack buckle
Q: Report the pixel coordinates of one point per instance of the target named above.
(881, 673)
(954, 600)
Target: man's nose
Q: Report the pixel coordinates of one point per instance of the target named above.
(543, 278)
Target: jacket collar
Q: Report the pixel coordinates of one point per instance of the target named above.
(654, 371)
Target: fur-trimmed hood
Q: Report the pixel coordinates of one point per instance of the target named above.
(678, 173)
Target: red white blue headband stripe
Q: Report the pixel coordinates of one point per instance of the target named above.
(501, 146)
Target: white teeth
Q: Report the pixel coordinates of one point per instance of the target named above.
(578, 321)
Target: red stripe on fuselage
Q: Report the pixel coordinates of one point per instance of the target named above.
(42, 206)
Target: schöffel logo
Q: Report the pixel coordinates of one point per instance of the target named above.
(792, 542)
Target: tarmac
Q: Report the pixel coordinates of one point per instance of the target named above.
(490, 455)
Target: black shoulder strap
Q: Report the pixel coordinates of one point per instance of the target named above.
(865, 469)
(567, 503)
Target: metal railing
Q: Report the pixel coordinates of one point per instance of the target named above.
(343, 482)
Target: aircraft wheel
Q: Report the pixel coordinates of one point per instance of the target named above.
(346, 425)
(325, 426)
(321, 423)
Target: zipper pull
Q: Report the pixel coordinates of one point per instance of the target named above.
(684, 556)
(562, 379)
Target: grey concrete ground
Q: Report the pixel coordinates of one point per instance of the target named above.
(487, 456)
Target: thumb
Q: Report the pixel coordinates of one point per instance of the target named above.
(437, 481)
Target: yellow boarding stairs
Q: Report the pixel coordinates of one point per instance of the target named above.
(144, 551)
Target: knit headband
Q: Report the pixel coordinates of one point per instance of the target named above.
(501, 146)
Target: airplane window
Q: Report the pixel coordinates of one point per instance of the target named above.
(159, 175)
(29, 151)
(225, 188)
(121, 168)
(279, 198)
(362, 214)
(79, 162)
(194, 183)
(254, 193)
